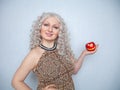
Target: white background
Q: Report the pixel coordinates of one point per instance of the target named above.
(87, 20)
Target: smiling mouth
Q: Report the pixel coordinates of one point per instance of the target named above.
(49, 34)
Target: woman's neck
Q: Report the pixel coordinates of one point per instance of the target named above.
(48, 44)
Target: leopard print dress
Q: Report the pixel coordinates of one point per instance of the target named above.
(53, 68)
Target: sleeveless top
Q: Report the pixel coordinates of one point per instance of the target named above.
(53, 68)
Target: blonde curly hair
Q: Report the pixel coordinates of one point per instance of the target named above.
(63, 45)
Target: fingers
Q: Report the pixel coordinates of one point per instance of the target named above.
(50, 87)
(97, 45)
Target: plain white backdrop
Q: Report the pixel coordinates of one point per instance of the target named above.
(87, 20)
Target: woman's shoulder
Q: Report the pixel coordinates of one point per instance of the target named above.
(37, 51)
(34, 55)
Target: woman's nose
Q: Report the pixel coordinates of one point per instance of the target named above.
(50, 29)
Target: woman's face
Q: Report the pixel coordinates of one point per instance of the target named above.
(50, 29)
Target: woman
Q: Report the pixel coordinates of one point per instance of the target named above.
(50, 57)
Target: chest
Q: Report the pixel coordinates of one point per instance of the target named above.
(53, 65)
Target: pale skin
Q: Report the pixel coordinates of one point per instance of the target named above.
(49, 32)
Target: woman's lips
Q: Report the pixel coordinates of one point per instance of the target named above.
(49, 34)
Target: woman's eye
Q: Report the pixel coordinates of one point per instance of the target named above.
(56, 27)
(46, 24)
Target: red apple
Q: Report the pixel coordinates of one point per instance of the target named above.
(90, 46)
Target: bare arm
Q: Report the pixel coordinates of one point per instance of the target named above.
(78, 63)
(27, 65)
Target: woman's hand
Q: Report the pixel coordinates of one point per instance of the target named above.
(50, 87)
(86, 52)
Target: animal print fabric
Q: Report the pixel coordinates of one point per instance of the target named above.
(54, 69)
